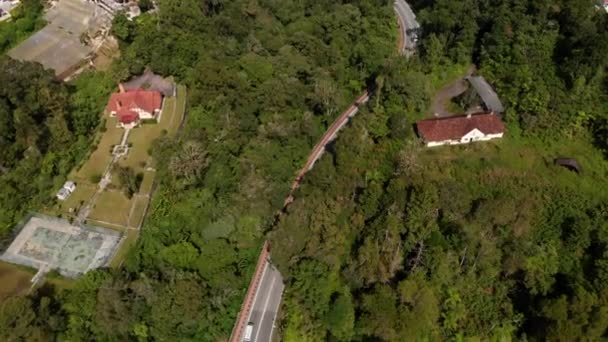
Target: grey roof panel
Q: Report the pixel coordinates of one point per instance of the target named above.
(487, 94)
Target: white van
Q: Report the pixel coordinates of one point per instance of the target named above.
(248, 332)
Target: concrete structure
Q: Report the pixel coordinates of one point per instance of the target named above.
(50, 243)
(132, 106)
(130, 8)
(58, 45)
(463, 129)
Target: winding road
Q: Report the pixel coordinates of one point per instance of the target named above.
(263, 298)
(408, 27)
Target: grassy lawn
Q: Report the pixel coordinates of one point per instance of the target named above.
(113, 207)
(112, 226)
(180, 109)
(139, 206)
(101, 157)
(146, 185)
(84, 192)
(59, 282)
(529, 158)
(130, 240)
(14, 280)
(141, 139)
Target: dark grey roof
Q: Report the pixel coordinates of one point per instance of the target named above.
(149, 80)
(569, 163)
(487, 94)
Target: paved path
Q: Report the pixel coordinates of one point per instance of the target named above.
(103, 183)
(450, 91)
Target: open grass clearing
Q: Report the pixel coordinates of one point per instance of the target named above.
(59, 282)
(99, 160)
(530, 159)
(83, 193)
(108, 225)
(112, 207)
(138, 210)
(130, 239)
(146, 185)
(14, 280)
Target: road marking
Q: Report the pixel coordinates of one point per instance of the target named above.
(257, 292)
(257, 333)
(274, 319)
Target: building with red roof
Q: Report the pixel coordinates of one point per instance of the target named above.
(460, 129)
(131, 106)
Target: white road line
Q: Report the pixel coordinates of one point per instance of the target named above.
(274, 319)
(264, 310)
(257, 292)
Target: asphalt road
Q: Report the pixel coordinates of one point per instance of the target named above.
(408, 21)
(266, 304)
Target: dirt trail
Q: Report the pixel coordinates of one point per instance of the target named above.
(445, 94)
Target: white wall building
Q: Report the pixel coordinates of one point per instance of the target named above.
(463, 129)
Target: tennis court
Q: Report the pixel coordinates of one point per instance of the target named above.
(52, 243)
(58, 45)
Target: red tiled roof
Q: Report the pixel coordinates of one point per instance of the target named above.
(455, 127)
(124, 103)
(127, 116)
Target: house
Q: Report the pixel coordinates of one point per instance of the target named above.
(68, 188)
(461, 129)
(131, 106)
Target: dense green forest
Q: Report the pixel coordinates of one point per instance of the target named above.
(26, 19)
(45, 129)
(386, 240)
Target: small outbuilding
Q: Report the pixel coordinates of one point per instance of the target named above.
(487, 94)
(569, 163)
(68, 188)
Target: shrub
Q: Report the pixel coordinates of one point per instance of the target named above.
(96, 178)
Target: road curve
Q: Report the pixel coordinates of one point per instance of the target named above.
(267, 282)
(407, 27)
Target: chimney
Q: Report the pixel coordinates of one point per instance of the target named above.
(469, 116)
(121, 88)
